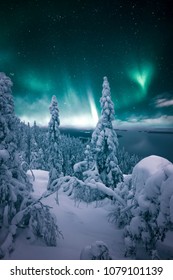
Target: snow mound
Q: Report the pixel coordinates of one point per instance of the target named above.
(152, 211)
(145, 168)
(152, 185)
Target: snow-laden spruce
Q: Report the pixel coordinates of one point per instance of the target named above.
(72, 151)
(127, 161)
(14, 185)
(86, 185)
(55, 155)
(98, 174)
(105, 143)
(149, 210)
(13, 181)
(88, 178)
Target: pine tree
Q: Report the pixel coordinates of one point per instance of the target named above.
(105, 143)
(72, 151)
(36, 132)
(55, 155)
(22, 144)
(14, 185)
(41, 160)
(34, 157)
(17, 206)
(28, 141)
(127, 161)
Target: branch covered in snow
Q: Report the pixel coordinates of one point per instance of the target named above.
(33, 209)
(29, 168)
(69, 183)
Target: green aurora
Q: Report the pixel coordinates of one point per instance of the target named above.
(65, 48)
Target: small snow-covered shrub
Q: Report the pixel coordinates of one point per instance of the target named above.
(43, 224)
(87, 172)
(120, 214)
(85, 192)
(96, 251)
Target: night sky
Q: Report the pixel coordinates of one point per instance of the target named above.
(64, 48)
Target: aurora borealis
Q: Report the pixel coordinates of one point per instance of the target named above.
(142, 77)
(64, 48)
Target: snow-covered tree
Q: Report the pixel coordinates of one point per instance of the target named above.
(36, 133)
(84, 165)
(126, 160)
(105, 143)
(17, 206)
(28, 139)
(148, 212)
(89, 157)
(43, 224)
(100, 165)
(72, 151)
(55, 155)
(22, 143)
(34, 151)
(151, 204)
(86, 171)
(121, 215)
(14, 184)
(41, 164)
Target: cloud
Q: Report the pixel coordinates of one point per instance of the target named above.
(163, 102)
(157, 121)
(162, 120)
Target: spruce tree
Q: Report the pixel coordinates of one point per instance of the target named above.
(17, 206)
(55, 156)
(105, 143)
(14, 184)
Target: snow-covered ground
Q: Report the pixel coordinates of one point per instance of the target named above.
(80, 225)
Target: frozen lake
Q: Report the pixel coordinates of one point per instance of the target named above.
(142, 143)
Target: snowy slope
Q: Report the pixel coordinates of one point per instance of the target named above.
(80, 225)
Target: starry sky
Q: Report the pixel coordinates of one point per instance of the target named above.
(65, 48)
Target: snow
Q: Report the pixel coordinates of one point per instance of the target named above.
(145, 168)
(78, 167)
(86, 227)
(104, 189)
(152, 183)
(135, 225)
(171, 208)
(80, 225)
(152, 187)
(4, 155)
(95, 251)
